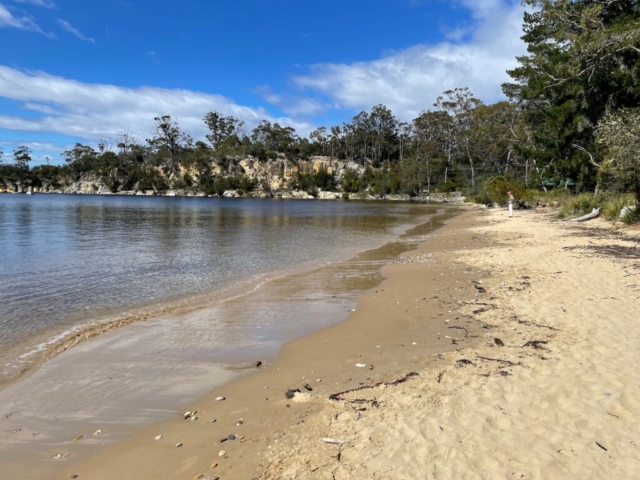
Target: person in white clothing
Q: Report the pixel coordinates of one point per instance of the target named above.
(511, 199)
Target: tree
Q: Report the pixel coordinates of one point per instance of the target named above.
(619, 135)
(583, 60)
(225, 131)
(22, 157)
(126, 141)
(415, 176)
(459, 104)
(1, 155)
(319, 136)
(79, 153)
(384, 132)
(274, 139)
(169, 142)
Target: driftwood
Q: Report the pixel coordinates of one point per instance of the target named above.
(407, 377)
(594, 214)
(333, 441)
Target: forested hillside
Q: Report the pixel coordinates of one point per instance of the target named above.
(571, 121)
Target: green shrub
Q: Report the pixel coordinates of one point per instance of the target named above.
(496, 189)
(447, 187)
(482, 199)
(614, 204)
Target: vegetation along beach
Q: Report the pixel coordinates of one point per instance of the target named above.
(406, 248)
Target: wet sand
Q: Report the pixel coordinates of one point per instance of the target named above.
(147, 372)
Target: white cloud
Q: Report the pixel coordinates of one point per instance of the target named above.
(410, 80)
(292, 105)
(24, 22)
(71, 29)
(39, 3)
(94, 111)
(42, 152)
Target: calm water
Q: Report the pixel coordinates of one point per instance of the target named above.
(69, 259)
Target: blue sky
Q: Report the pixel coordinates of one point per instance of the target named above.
(74, 70)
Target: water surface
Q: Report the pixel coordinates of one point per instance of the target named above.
(68, 259)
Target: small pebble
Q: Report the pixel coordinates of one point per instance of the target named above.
(222, 453)
(178, 445)
(158, 437)
(232, 437)
(219, 399)
(74, 476)
(97, 432)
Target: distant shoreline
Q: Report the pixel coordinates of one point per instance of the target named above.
(283, 195)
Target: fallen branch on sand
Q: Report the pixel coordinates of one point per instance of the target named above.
(408, 376)
(505, 362)
(533, 324)
(333, 441)
(594, 214)
(537, 344)
(464, 361)
(466, 332)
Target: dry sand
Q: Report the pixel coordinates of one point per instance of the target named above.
(568, 408)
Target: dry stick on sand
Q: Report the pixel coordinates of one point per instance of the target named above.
(408, 376)
(537, 344)
(466, 332)
(506, 362)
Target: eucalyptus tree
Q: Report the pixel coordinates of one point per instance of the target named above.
(459, 104)
(384, 129)
(225, 130)
(22, 157)
(274, 139)
(319, 137)
(405, 135)
(169, 142)
(434, 141)
(335, 141)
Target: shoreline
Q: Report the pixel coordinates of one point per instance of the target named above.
(279, 195)
(410, 234)
(263, 409)
(558, 400)
(50, 343)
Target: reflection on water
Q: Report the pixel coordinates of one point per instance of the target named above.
(65, 259)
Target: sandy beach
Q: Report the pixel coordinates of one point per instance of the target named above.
(499, 349)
